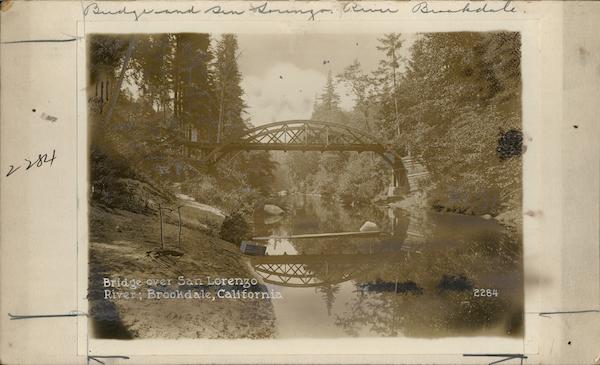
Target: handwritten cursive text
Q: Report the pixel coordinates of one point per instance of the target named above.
(312, 13)
(357, 8)
(424, 8)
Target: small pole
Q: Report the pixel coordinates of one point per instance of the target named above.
(162, 242)
(397, 273)
(179, 214)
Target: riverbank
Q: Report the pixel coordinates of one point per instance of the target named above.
(418, 202)
(124, 244)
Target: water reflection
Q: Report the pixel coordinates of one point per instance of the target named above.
(417, 280)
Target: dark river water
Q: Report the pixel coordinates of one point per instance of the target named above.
(429, 275)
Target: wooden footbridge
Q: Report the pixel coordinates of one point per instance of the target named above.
(305, 135)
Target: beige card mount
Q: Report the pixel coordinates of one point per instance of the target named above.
(299, 182)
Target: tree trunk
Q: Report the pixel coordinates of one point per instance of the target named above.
(221, 109)
(396, 119)
(176, 82)
(179, 213)
(117, 88)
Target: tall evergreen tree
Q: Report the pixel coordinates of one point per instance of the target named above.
(328, 294)
(154, 66)
(193, 84)
(329, 101)
(327, 108)
(388, 71)
(227, 88)
(363, 88)
(230, 108)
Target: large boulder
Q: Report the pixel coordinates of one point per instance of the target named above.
(369, 227)
(273, 209)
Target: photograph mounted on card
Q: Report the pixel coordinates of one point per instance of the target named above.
(306, 188)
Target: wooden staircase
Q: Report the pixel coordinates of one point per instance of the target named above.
(416, 172)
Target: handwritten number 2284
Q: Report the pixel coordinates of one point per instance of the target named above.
(39, 162)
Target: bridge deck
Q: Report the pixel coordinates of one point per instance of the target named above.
(287, 147)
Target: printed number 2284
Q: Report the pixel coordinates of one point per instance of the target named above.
(485, 292)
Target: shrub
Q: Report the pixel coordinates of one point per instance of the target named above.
(235, 228)
(465, 198)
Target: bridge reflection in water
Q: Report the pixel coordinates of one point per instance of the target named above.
(417, 280)
(314, 270)
(318, 269)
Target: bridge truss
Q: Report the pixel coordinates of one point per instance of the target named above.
(301, 135)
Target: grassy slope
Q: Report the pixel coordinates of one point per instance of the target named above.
(119, 246)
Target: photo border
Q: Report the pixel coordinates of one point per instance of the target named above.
(316, 350)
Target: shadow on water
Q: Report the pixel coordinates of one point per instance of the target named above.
(392, 287)
(455, 283)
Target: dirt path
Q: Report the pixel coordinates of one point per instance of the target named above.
(124, 245)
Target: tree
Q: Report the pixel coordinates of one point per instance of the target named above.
(328, 106)
(193, 84)
(302, 169)
(106, 54)
(227, 80)
(459, 91)
(173, 76)
(257, 167)
(363, 88)
(390, 45)
(328, 293)
(154, 71)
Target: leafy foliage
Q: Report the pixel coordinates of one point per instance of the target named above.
(177, 84)
(446, 103)
(235, 228)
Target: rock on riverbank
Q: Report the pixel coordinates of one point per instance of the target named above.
(273, 209)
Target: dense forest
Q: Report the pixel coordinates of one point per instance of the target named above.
(448, 102)
(166, 87)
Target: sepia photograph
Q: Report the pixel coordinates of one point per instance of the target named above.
(299, 182)
(305, 185)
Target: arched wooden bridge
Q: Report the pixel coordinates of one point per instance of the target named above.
(307, 271)
(305, 135)
(300, 275)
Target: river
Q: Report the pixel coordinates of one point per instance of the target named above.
(430, 275)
